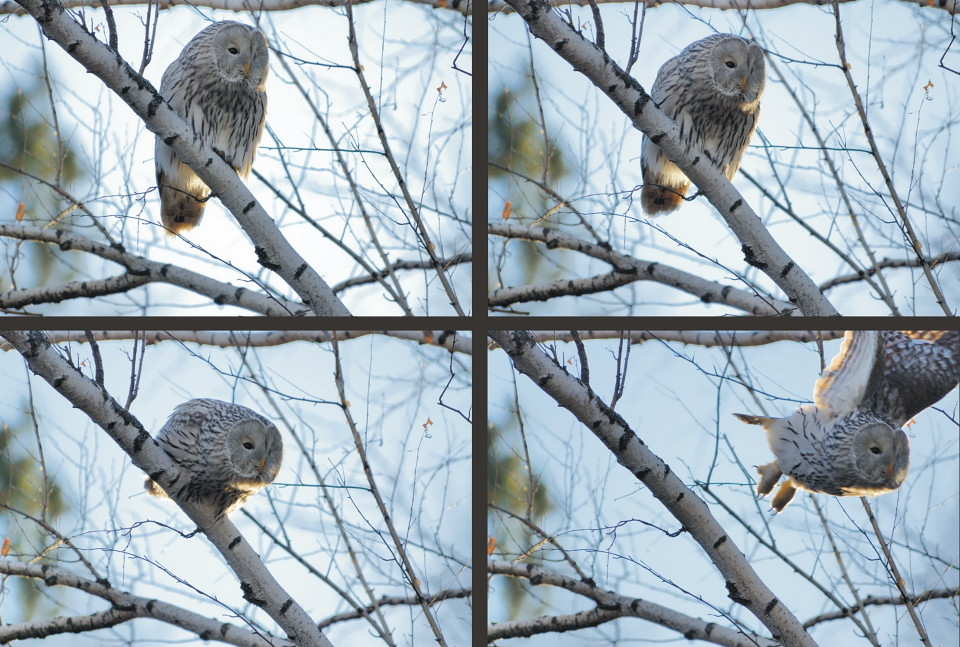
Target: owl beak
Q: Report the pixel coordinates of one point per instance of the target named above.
(743, 84)
(890, 470)
(263, 460)
(246, 71)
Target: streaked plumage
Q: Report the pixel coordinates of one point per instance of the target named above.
(849, 442)
(712, 90)
(218, 85)
(229, 453)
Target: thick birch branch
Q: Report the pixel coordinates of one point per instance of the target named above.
(743, 584)
(139, 271)
(759, 247)
(124, 607)
(243, 6)
(273, 251)
(448, 339)
(611, 606)
(706, 339)
(499, 6)
(257, 583)
(634, 268)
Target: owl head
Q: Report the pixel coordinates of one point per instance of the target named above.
(879, 453)
(738, 69)
(240, 53)
(256, 451)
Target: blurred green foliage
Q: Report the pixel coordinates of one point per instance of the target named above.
(510, 486)
(32, 145)
(517, 141)
(23, 486)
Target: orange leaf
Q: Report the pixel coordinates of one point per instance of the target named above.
(491, 545)
(507, 210)
(928, 86)
(21, 211)
(5, 550)
(427, 424)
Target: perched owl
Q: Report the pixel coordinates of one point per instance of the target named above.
(712, 90)
(849, 441)
(218, 86)
(229, 452)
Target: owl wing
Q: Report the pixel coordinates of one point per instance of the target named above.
(664, 183)
(853, 374)
(919, 368)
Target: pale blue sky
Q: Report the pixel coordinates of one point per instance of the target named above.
(894, 50)
(424, 473)
(673, 403)
(407, 52)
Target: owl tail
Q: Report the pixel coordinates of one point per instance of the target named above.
(152, 488)
(657, 199)
(179, 211)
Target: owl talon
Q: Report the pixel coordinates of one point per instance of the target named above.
(784, 495)
(769, 475)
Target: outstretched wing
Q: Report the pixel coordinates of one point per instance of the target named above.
(852, 376)
(919, 368)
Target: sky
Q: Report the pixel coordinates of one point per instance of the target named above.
(894, 50)
(418, 449)
(407, 51)
(676, 401)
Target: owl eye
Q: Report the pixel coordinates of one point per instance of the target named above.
(876, 450)
(249, 445)
(730, 64)
(233, 50)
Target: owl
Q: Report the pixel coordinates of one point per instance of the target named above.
(228, 452)
(849, 441)
(218, 86)
(712, 90)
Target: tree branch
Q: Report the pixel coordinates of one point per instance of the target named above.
(138, 268)
(611, 606)
(125, 607)
(635, 269)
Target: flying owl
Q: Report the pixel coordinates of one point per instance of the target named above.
(849, 441)
(712, 90)
(218, 86)
(228, 452)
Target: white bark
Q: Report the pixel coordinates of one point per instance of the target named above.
(759, 247)
(743, 584)
(257, 583)
(273, 251)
